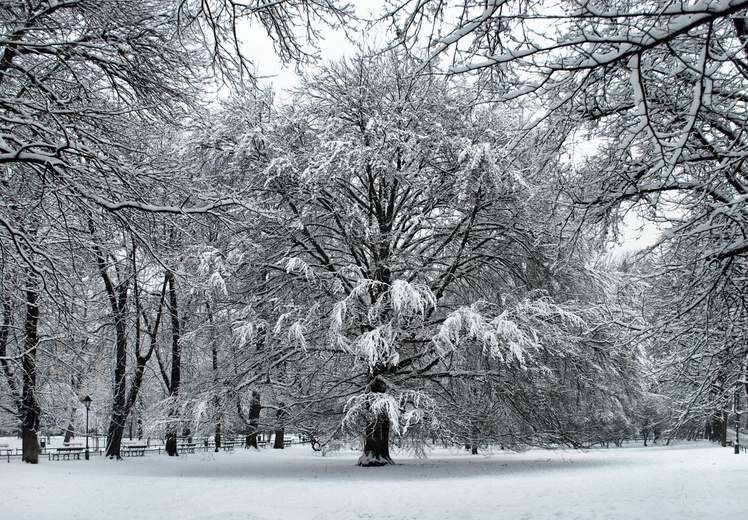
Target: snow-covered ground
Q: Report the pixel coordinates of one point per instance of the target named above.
(690, 480)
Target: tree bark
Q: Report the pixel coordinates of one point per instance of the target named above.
(474, 440)
(377, 443)
(218, 437)
(69, 432)
(31, 411)
(254, 421)
(723, 430)
(118, 297)
(216, 379)
(280, 432)
(377, 434)
(176, 366)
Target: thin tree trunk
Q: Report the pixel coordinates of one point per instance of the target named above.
(216, 379)
(69, 431)
(280, 432)
(119, 402)
(473, 445)
(31, 411)
(254, 421)
(176, 366)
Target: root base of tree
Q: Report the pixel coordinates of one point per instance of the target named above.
(369, 461)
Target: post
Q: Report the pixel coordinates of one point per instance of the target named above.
(87, 401)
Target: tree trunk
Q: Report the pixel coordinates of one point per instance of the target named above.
(216, 378)
(377, 432)
(254, 421)
(218, 436)
(280, 431)
(124, 400)
(715, 431)
(69, 432)
(118, 300)
(31, 411)
(377, 443)
(474, 440)
(114, 436)
(176, 366)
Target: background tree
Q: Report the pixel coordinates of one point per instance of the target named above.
(658, 89)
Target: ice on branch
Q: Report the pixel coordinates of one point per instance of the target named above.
(377, 346)
(244, 332)
(410, 300)
(296, 333)
(297, 265)
(337, 317)
(511, 335)
(404, 410)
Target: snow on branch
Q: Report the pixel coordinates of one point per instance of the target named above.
(404, 409)
(513, 334)
(377, 346)
(297, 265)
(410, 300)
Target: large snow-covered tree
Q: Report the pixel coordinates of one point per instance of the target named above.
(394, 227)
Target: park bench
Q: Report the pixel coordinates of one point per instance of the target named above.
(228, 446)
(187, 447)
(66, 452)
(133, 450)
(7, 451)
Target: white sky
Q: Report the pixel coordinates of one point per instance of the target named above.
(333, 45)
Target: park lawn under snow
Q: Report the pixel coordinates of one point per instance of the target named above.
(689, 480)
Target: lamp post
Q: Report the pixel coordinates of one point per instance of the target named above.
(87, 401)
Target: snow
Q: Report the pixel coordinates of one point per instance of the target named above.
(689, 480)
